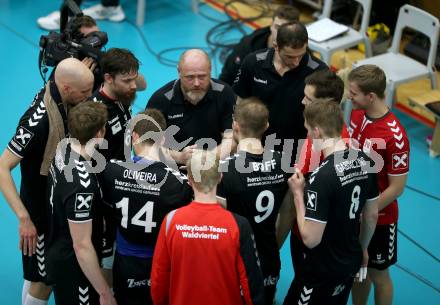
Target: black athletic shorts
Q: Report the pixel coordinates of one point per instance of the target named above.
(109, 235)
(382, 250)
(297, 250)
(333, 292)
(34, 267)
(71, 287)
(270, 267)
(270, 285)
(131, 280)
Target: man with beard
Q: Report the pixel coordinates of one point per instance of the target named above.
(118, 91)
(199, 106)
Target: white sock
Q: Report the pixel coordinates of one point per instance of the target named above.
(24, 291)
(30, 300)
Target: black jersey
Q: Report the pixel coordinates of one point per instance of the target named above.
(29, 143)
(335, 194)
(256, 194)
(75, 196)
(255, 41)
(281, 94)
(211, 117)
(118, 116)
(142, 197)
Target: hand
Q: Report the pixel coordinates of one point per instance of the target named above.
(186, 153)
(90, 63)
(28, 236)
(107, 299)
(362, 274)
(296, 182)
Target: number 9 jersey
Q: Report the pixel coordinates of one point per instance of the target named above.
(254, 187)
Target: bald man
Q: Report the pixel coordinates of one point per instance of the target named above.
(201, 107)
(73, 84)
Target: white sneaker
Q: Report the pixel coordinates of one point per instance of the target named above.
(99, 12)
(50, 22)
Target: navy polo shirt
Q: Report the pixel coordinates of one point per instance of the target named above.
(208, 119)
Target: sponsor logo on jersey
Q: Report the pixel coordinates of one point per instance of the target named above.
(83, 202)
(367, 146)
(400, 160)
(132, 283)
(378, 259)
(270, 280)
(175, 116)
(338, 290)
(23, 136)
(312, 200)
(115, 125)
(265, 166)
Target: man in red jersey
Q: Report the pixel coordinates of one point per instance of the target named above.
(376, 130)
(205, 254)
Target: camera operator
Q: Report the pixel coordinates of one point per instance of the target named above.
(79, 29)
(38, 133)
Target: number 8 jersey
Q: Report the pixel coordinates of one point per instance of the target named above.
(335, 194)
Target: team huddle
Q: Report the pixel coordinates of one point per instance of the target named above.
(190, 200)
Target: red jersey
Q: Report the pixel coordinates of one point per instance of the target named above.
(309, 159)
(365, 133)
(205, 255)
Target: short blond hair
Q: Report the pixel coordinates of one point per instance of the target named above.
(252, 116)
(203, 170)
(326, 116)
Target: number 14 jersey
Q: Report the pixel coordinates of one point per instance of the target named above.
(141, 194)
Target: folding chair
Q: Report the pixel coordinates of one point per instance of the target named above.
(400, 68)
